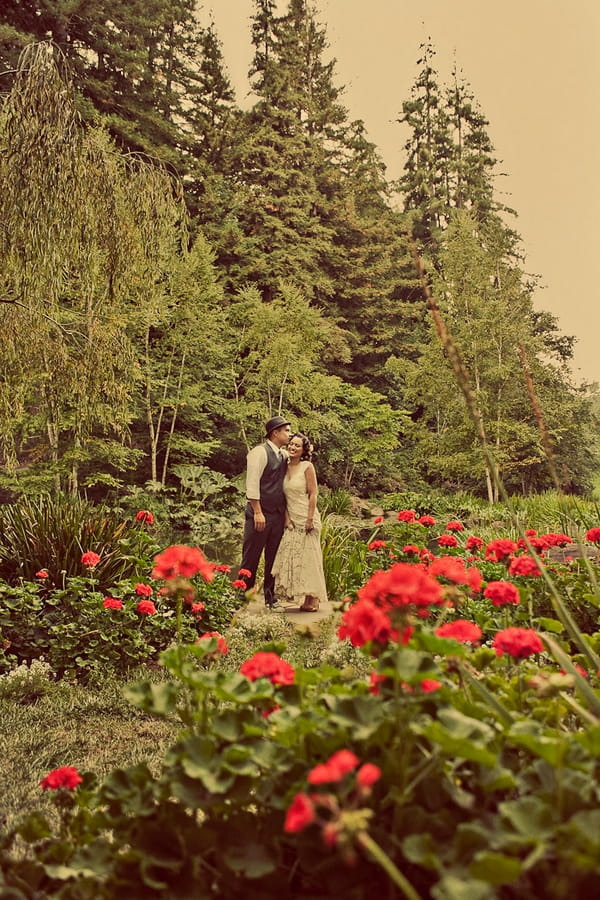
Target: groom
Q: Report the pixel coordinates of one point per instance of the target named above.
(265, 511)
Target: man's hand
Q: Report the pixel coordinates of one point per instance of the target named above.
(259, 521)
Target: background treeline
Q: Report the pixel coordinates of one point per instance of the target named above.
(175, 269)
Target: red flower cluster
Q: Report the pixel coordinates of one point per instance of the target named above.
(499, 549)
(245, 573)
(377, 520)
(182, 561)
(517, 642)
(304, 807)
(377, 545)
(268, 665)
(447, 540)
(540, 544)
(300, 814)
(112, 603)
(365, 622)
(593, 535)
(143, 590)
(524, 565)
(454, 525)
(426, 520)
(412, 549)
(501, 593)
(474, 542)
(90, 559)
(223, 567)
(64, 777)
(403, 586)
(43, 573)
(454, 569)
(146, 608)
(556, 540)
(239, 584)
(334, 769)
(460, 630)
(222, 647)
(407, 515)
(145, 517)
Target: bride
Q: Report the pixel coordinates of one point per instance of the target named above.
(298, 566)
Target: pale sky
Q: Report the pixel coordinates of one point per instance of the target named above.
(534, 68)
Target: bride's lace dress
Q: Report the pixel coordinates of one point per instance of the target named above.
(298, 566)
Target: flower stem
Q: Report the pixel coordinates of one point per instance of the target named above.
(381, 857)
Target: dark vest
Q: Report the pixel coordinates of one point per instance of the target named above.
(272, 498)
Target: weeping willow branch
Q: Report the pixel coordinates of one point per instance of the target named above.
(540, 419)
(458, 366)
(48, 318)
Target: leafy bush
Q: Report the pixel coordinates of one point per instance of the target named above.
(80, 637)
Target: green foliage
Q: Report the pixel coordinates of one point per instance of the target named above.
(344, 558)
(51, 532)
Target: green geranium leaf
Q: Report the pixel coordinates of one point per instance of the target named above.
(251, 859)
(529, 816)
(495, 868)
(552, 625)
(454, 888)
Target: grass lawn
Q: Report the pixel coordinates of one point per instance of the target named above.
(93, 729)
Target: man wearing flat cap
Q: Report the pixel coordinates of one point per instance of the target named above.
(266, 466)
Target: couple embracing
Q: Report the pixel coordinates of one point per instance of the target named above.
(282, 518)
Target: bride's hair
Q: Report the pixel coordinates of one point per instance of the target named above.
(306, 445)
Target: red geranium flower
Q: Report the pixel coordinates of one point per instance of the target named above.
(112, 603)
(524, 565)
(540, 544)
(377, 520)
(454, 569)
(268, 665)
(429, 685)
(460, 630)
(43, 573)
(239, 584)
(499, 549)
(474, 542)
(377, 545)
(146, 608)
(426, 520)
(245, 573)
(338, 765)
(447, 540)
(144, 516)
(556, 540)
(223, 567)
(593, 535)
(222, 647)
(197, 608)
(411, 548)
(182, 561)
(407, 515)
(90, 559)
(64, 777)
(143, 590)
(300, 814)
(501, 593)
(367, 775)
(517, 642)
(402, 586)
(454, 525)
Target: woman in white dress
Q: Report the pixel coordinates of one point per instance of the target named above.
(298, 566)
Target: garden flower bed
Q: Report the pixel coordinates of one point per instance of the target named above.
(453, 753)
